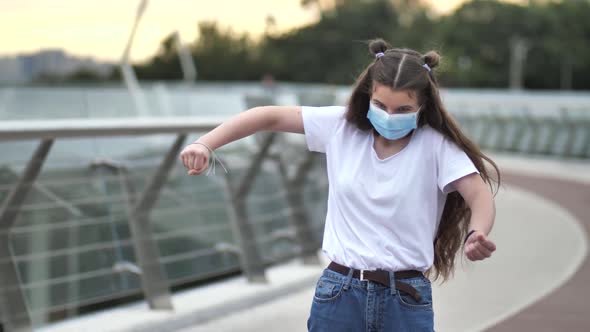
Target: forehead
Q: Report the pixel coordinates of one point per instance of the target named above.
(391, 97)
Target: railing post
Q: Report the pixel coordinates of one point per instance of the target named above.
(534, 125)
(250, 259)
(300, 217)
(500, 125)
(153, 281)
(15, 314)
(553, 133)
(487, 130)
(571, 133)
(127, 188)
(520, 131)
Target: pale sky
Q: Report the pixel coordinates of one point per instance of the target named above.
(100, 28)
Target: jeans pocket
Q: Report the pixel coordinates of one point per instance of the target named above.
(327, 290)
(425, 291)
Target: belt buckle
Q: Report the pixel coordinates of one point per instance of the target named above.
(362, 276)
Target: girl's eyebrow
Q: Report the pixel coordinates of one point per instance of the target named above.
(399, 107)
(377, 100)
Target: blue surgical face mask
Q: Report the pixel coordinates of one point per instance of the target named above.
(392, 126)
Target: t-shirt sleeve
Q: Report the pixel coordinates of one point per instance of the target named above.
(319, 124)
(453, 164)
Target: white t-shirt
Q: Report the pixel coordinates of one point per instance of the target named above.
(382, 214)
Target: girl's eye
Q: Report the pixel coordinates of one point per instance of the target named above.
(380, 106)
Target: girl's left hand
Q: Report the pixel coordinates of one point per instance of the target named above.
(479, 246)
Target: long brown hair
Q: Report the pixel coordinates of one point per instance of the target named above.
(405, 70)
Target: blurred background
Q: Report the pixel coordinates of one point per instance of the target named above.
(97, 98)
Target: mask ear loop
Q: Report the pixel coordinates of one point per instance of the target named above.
(418, 115)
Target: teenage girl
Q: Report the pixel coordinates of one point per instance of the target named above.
(407, 189)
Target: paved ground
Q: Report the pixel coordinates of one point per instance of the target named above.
(566, 308)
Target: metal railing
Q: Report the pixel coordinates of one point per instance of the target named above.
(564, 133)
(137, 252)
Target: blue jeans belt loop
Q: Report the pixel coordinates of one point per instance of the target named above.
(379, 276)
(392, 281)
(348, 279)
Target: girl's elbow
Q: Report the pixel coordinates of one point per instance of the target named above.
(263, 118)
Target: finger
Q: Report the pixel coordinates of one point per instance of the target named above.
(489, 245)
(471, 256)
(194, 171)
(204, 163)
(198, 162)
(194, 162)
(484, 241)
(481, 247)
(482, 251)
(190, 160)
(477, 251)
(203, 168)
(475, 254)
(185, 161)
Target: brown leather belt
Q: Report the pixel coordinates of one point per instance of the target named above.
(382, 277)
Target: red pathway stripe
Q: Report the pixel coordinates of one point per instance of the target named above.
(567, 308)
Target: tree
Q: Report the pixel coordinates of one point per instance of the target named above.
(475, 42)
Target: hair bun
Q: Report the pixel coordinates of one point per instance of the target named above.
(378, 46)
(432, 59)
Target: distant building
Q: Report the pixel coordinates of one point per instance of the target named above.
(52, 62)
(11, 70)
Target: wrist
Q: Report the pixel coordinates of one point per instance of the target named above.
(197, 142)
(469, 234)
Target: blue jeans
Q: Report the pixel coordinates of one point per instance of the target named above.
(341, 303)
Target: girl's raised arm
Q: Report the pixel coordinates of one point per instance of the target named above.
(195, 157)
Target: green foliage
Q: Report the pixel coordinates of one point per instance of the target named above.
(334, 49)
(561, 45)
(475, 41)
(165, 65)
(220, 54)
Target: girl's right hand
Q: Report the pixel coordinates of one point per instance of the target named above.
(195, 157)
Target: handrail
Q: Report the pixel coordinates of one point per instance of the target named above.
(51, 129)
(154, 283)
